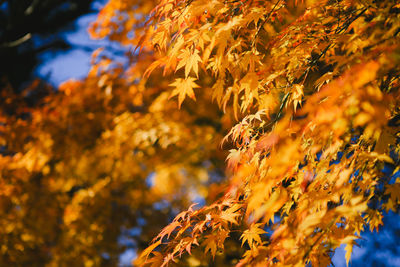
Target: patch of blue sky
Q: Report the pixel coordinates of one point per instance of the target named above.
(195, 197)
(126, 258)
(150, 179)
(126, 239)
(57, 66)
(161, 205)
(375, 248)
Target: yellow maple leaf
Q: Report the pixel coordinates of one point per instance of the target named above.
(231, 213)
(233, 158)
(184, 87)
(190, 61)
(252, 235)
(211, 244)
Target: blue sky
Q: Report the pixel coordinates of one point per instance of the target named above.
(57, 67)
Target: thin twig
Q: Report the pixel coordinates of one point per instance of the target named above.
(263, 23)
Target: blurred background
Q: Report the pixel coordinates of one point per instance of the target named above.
(48, 40)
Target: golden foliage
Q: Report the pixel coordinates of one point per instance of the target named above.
(316, 87)
(313, 87)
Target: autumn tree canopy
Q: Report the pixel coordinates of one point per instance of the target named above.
(280, 117)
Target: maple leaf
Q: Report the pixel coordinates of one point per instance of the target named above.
(218, 91)
(231, 214)
(190, 61)
(157, 260)
(184, 87)
(249, 84)
(169, 229)
(252, 235)
(297, 95)
(349, 241)
(374, 218)
(233, 158)
(211, 244)
(189, 245)
(156, 64)
(145, 253)
(167, 259)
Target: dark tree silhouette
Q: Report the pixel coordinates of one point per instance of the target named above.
(21, 22)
